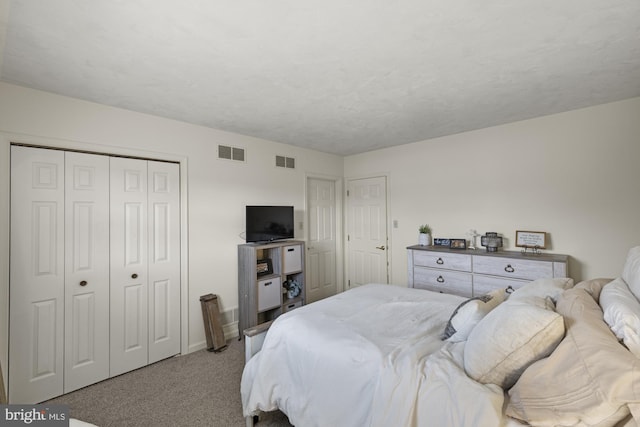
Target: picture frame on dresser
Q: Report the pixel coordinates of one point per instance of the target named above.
(441, 242)
(264, 267)
(458, 244)
(531, 239)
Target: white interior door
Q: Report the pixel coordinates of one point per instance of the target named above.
(95, 269)
(36, 275)
(320, 275)
(367, 231)
(164, 260)
(86, 359)
(129, 260)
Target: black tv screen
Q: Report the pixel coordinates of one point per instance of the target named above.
(268, 223)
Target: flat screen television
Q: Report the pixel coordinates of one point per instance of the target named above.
(268, 223)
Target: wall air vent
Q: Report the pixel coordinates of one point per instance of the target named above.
(285, 162)
(230, 153)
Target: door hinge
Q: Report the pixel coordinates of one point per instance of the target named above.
(347, 193)
(348, 238)
(349, 283)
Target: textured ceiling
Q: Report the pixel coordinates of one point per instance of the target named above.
(337, 76)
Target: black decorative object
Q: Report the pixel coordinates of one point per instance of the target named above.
(293, 288)
(491, 241)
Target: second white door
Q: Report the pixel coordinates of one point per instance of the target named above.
(145, 264)
(367, 231)
(321, 247)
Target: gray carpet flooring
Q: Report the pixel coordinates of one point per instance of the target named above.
(198, 389)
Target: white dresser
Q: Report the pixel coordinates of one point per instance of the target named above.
(475, 272)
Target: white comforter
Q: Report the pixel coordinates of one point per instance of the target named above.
(371, 356)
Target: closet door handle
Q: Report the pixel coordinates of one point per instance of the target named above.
(83, 283)
(134, 276)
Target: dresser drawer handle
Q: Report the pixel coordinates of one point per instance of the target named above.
(440, 261)
(509, 269)
(440, 279)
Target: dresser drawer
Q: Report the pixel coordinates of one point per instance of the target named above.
(512, 267)
(460, 262)
(485, 284)
(451, 282)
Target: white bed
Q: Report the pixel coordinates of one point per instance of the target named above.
(373, 356)
(382, 353)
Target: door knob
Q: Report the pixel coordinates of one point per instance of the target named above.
(83, 283)
(382, 248)
(134, 276)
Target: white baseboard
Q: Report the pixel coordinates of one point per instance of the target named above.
(230, 331)
(197, 346)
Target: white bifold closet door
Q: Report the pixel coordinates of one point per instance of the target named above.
(145, 263)
(94, 269)
(59, 276)
(86, 343)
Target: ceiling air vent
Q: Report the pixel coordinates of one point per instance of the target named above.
(230, 153)
(285, 162)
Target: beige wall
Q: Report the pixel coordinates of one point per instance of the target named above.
(218, 189)
(574, 175)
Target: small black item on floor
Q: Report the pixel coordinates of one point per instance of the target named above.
(212, 327)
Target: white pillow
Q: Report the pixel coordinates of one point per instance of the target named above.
(509, 339)
(467, 315)
(588, 380)
(622, 313)
(631, 271)
(552, 287)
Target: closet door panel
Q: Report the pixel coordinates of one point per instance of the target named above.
(86, 270)
(129, 264)
(36, 275)
(164, 260)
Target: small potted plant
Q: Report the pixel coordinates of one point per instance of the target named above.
(424, 238)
